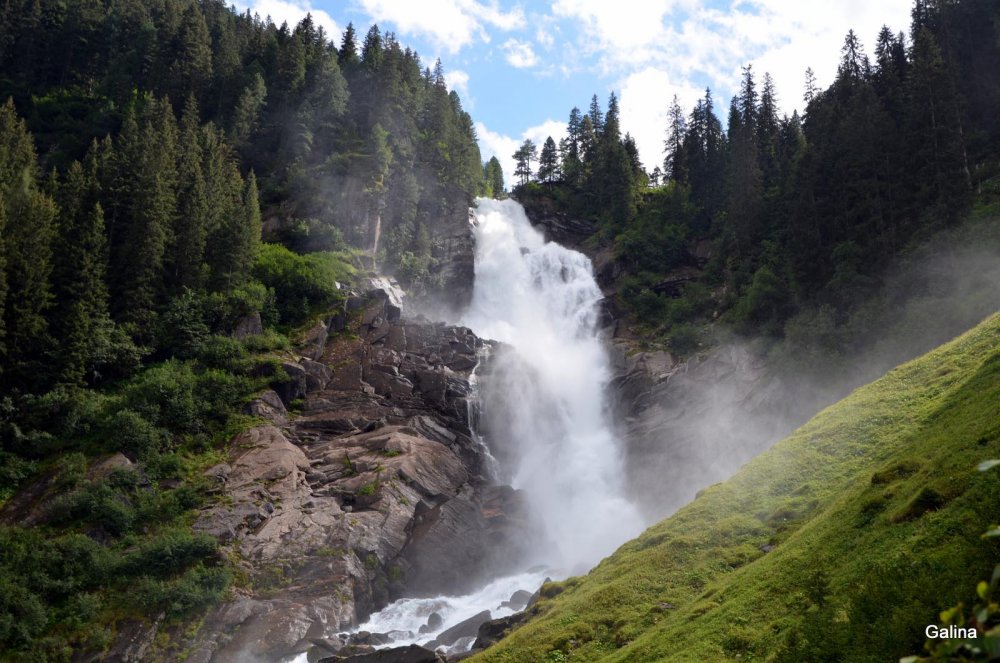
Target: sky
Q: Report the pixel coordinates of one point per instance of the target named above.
(520, 67)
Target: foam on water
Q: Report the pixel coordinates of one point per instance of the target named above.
(545, 402)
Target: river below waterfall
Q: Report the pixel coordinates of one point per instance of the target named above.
(543, 414)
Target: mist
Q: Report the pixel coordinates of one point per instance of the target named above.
(699, 422)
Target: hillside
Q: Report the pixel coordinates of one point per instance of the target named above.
(842, 542)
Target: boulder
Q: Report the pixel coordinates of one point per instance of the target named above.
(464, 629)
(248, 325)
(434, 622)
(268, 405)
(411, 654)
(517, 601)
(491, 631)
(295, 387)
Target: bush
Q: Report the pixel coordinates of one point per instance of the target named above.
(169, 553)
(182, 328)
(98, 504)
(130, 433)
(195, 590)
(13, 470)
(301, 283)
(226, 353)
(164, 394)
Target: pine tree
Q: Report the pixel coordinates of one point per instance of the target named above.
(570, 148)
(191, 70)
(673, 164)
(348, 53)
(246, 115)
(25, 249)
(611, 179)
(187, 250)
(146, 181)
(934, 128)
(548, 162)
(80, 319)
(524, 156)
(595, 115)
(811, 89)
(854, 64)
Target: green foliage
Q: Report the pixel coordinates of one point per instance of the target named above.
(303, 284)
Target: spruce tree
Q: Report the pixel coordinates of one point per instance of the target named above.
(25, 250)
(146, 181)
(80, 320)
(548, 162)
(673, 164)
(187, 250)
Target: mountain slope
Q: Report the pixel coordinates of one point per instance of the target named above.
(842, 542)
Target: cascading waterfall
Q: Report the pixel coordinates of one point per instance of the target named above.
(544, 402)
(543, 409)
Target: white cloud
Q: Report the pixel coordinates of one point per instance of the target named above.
(450, 24)
(689, 42)
(458, 81)
(645, 97)
(544, 37)
(493, 144)
(291, 12)
(520, 54)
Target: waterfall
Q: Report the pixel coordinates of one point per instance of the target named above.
(542, 410)
(544, 406)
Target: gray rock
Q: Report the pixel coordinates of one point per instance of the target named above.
(248, 325)
(434, 622)
(411, 654)
(491, 631)
(463, 629)
(518, 600)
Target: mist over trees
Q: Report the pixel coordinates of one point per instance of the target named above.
(752, 215)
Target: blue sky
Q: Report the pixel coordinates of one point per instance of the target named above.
(521, 66)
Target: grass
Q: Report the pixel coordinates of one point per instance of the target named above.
(871, 513)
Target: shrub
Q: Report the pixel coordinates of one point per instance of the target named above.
(225, 353)
(164, 394)
(169, 553)
(301, 283)
(182, 328)
(129, 432)
(195, 590)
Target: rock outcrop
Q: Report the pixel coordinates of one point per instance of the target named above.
(453, 269)
(374, 487)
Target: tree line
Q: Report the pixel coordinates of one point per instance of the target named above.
(789, 209)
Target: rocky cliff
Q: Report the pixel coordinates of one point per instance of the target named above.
(370, 486)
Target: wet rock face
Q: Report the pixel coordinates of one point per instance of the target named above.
(377, 488)
(454, 253)
(686, 425)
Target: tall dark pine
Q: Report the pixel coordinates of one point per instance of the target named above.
(934, 129)
(25, 248)
(146, 183)
(673, 165)
(548, 162)
(187, 249)
(80, 319)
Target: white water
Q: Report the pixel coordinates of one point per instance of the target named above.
(403, 618)
(544, 403)
(546, 411)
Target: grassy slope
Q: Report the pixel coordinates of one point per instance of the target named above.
(874, 509)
